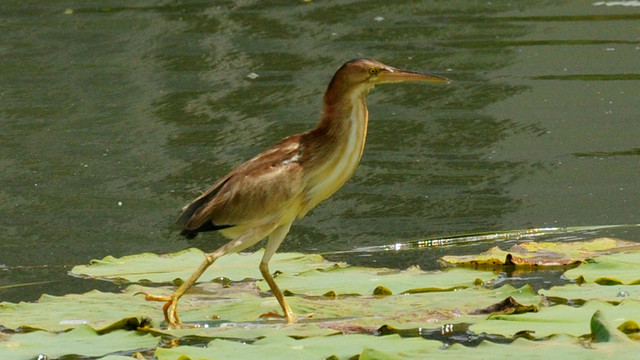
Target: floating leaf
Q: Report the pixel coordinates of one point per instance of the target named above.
(558, 347)
(591, 291)
(166, 268)
(372, 354)
(94, 308)
(559, 319)
(363, 281)
(335, 303)
(235, 312)
(542, 254)
(82, 340)
(612, 269)
(279, 347)
(369, 310)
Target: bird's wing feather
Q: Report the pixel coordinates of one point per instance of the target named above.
(264, 187)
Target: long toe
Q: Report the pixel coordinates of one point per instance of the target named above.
(272, 315)
(289, 318)
(151, 297)
(168, 309)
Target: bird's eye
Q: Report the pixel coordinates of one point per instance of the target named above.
(373, 71)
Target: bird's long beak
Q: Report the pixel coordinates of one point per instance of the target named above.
(391, 75)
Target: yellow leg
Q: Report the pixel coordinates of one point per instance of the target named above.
(275, 239)
(170, 308)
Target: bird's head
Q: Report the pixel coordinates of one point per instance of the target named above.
(361, 75)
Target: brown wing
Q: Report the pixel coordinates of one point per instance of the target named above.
(268, 186)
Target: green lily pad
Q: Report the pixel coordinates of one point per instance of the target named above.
(335, 304)
(363, 281)
(559, 319)
(280, 347)
(82, 340)
(610, 269)
(563, 347)
(395, 347)
(94, 308)
(239, 308)
(558, 347)
(592, 291)
(166, 268)
(408, 311)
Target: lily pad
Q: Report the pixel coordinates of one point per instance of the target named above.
(280, 347)
(234, 312)
(340, 309)
(559, 319)
(558, 347)
(82, 340)
(363, 281)
(413, 310)
(94, 308)
(592, 291)
(542, 254)
(395, 347)
(149, 267)
(612, 269)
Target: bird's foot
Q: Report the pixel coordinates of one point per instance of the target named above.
(291, 318)
(271, 315)
(170, 308)
(151, 297)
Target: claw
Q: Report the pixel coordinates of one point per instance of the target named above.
(169, 309)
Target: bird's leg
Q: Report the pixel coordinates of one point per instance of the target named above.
(275, 239)
(245, 240)
(170, 308)
(288, 314)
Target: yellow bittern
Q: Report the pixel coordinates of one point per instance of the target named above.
(263, 196)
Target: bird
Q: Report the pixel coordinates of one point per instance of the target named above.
(262, 197)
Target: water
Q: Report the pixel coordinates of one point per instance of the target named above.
(112, 117)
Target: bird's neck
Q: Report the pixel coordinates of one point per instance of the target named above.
(335, 146)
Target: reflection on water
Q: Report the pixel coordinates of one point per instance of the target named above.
(111, 118)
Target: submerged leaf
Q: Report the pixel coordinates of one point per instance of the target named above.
(542, 254)
(506, 306)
